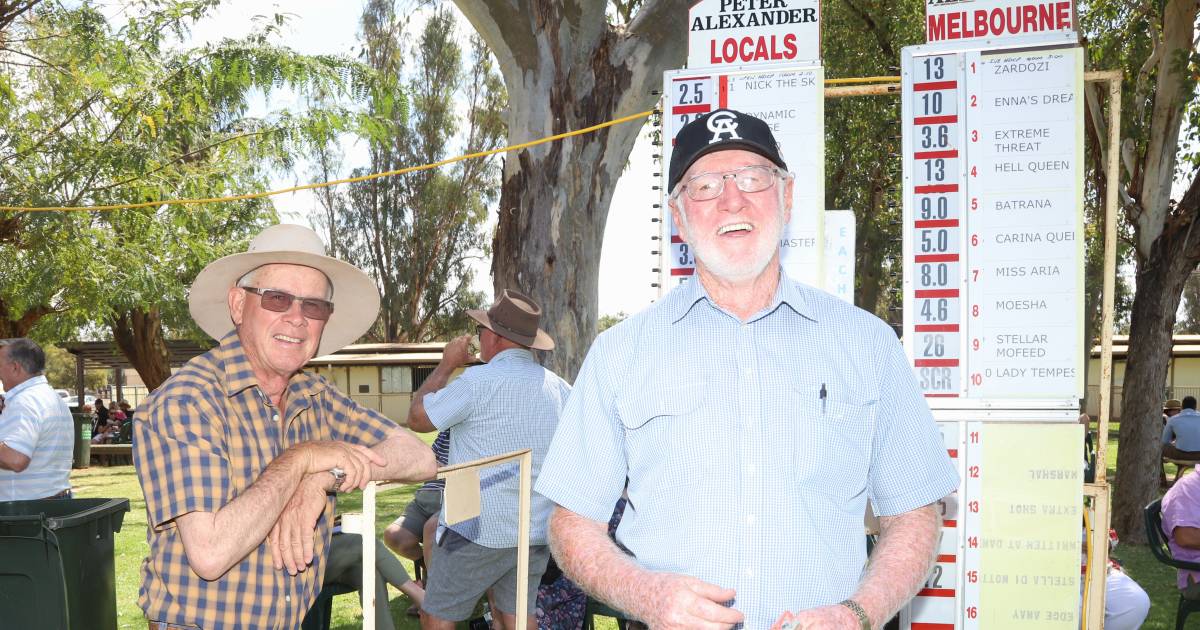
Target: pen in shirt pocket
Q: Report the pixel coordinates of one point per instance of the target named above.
(824, 395)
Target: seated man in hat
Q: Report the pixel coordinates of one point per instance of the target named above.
(1181, 436)
(511, 403)
(240, 453)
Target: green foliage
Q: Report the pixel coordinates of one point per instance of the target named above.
(863, 38)
(100, 113)
(415, 233)
(608, 321)
(60, 371)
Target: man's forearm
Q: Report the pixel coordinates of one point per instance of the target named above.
(408, 459)
(215, 541)
(589, 558)
(12, 460)
(900, 562)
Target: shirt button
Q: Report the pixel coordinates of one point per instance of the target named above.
(287, 598)
(749, 572)
(749, 519)
(275, 417)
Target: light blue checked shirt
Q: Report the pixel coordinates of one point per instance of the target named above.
(509, 404)
(37, 424)
(740, 473)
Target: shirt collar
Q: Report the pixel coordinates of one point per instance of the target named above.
(24, 385)
(788, 292)
(239, 374)
(512, 354)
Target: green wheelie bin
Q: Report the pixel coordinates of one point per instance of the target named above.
(56, 563)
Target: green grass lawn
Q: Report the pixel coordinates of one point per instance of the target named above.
(130, 549)
(130, 546)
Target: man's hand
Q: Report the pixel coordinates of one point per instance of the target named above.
(354, 459)
(291, 539)
(684, 602)
(457, 353)
(836, 617)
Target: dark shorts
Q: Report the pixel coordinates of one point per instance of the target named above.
(425, 504)
(463, 571)
(1170, 451)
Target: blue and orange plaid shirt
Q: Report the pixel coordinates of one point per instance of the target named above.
(199, 441)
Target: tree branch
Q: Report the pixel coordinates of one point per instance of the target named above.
(186, 156)
(885, 45)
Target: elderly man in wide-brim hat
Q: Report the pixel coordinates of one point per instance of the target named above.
(508, 404)
(241, 453)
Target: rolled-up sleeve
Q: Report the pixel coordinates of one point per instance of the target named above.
(181, 461)
(585, 467)
(451, 404)
(19, 431)
(909, 464)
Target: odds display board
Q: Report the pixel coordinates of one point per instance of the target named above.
(733, 33)
(993, 207)
(792, 102)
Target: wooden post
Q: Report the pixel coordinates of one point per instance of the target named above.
(1099, 491)
(523, 538)
(119, 378)
(525, 462)
(79, 380)
(368, 558)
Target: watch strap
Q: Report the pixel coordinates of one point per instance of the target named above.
(863, 621)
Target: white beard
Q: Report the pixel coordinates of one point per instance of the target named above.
(719, 264)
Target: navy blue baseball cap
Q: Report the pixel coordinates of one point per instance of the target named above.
(721, 130)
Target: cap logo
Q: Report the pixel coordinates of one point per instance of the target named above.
(722, 123)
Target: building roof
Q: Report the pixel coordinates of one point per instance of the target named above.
(106, 354)
(1181, 346)
(394, 358)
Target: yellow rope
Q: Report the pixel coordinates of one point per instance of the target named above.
(348, 180)
(363, 178)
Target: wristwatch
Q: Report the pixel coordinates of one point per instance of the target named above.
(863, 621)
(339, 476)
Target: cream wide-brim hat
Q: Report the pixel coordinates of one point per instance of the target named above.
(355, 296)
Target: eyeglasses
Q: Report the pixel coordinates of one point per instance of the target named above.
(748, 179)
(281, 301)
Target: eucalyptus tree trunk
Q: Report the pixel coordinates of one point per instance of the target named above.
(138, 334)
(1167, 240)
(566, 67)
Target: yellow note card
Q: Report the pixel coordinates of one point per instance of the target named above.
(1032, 526)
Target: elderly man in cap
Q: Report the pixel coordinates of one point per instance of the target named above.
(510, 403)
(241, 453)
(753, 418)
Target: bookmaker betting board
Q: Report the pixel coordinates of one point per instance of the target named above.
(994, 222)
(993, 295)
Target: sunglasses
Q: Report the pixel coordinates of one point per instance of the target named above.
(281, 301)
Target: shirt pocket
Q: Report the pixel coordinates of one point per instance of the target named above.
(667, 437)
(831, 450)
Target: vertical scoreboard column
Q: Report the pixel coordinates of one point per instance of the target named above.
(934, 274)
(935, 606)
(972, 524)
(688, 98)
